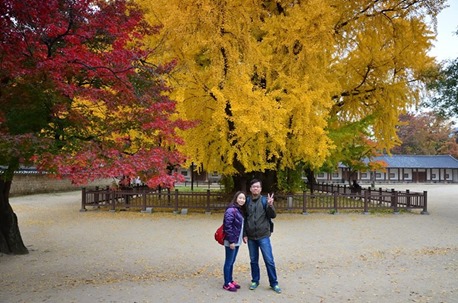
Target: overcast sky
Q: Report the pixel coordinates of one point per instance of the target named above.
(446, 46)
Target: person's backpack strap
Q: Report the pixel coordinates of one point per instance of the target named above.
(264, 202)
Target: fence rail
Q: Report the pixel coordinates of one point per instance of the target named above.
(380, 198)
(326, 197)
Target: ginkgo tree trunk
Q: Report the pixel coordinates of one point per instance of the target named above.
(270, 81)
(81, 98)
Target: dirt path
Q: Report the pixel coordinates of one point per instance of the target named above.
(133, 257)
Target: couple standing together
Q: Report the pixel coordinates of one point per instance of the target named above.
(249, 220)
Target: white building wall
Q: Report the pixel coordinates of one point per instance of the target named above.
(396, 175)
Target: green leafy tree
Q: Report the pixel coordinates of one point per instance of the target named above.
(444, 90)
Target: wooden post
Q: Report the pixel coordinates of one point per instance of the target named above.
(176, 200)
(408, 199)
(394, 201)
(425, 205)
(335, 201)
(83, 199)
(144, 200)
(113, 200)
(304, 202)
(207, 211)
(96, 196)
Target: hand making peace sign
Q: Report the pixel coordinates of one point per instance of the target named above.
(270, 199)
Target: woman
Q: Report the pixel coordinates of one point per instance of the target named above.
(233, 227)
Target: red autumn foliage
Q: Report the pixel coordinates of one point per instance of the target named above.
(56, 53)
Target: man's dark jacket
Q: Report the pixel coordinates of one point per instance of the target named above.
(257, 221)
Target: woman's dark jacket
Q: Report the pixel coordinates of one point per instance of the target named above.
(233, 221)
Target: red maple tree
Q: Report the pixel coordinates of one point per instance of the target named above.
(80, 98)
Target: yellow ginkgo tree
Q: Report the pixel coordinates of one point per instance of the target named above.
(270, 81)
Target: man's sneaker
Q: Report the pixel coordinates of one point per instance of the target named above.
(254, 285)
(230, 287)
(277, 289)
(235, 284)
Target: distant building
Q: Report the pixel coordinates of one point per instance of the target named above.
(201, 176)
(402, 168)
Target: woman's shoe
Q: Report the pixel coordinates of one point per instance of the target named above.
(230, 287)
(236, 285)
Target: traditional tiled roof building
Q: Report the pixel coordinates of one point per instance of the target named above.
(403, 168)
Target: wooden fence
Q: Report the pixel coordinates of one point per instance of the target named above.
(326, 197)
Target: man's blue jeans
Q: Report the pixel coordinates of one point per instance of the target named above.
(266, 250)
(231, 255)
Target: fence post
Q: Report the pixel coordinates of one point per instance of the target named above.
(425, 205)
(176, 200)
(335, 202)
(207, 211)
(289, 200)
(366, 201)
(408, 198)
(394, 201)
(83, 199)
(144, 201)
(113, 200)
(105, 196)
(304, 203)
(96, 196)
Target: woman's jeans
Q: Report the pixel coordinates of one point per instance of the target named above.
(231, 255)
(266, 250)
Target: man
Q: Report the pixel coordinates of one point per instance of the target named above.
(259, 211)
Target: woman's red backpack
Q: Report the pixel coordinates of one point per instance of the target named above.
(220, 234)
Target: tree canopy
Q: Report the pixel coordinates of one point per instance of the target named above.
(444, 90)
(81, 94)
(274, 83)
(426, 134)
(81, 97)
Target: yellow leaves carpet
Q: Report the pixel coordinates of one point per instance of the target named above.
(101, 256)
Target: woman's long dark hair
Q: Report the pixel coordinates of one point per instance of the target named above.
(234, 203)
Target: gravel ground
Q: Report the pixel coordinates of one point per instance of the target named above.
(101, 256)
